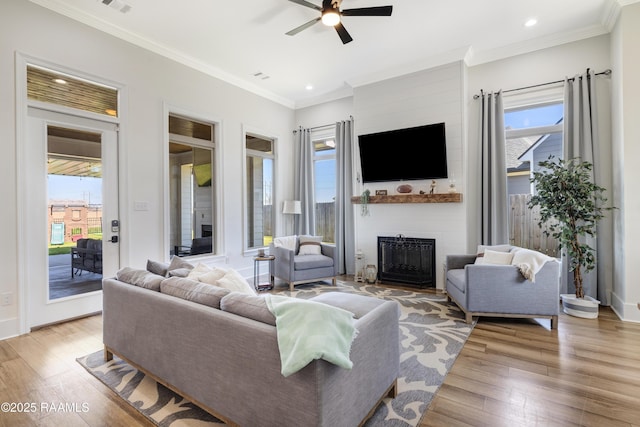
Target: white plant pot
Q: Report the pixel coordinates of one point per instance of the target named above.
(586, 307)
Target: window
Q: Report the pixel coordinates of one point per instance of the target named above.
(325, 187)
(191, 164)
(533, 133)
(260, 161)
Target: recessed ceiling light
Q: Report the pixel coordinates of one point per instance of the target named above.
(531, 22)
(60, 81)
(309, 87)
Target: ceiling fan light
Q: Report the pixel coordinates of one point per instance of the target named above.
(330, 17)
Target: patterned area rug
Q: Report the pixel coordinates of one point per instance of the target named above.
(432, 333)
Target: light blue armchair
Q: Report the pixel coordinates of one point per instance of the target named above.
(296, 269)
(501, 290)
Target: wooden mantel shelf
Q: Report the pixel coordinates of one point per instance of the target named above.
(413, 198)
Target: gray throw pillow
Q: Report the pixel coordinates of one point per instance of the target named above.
(191, 290)
(178, 263)
(141, 278)
(157, 267)
(251, 306)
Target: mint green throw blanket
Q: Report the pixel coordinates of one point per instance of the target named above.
(310, 330)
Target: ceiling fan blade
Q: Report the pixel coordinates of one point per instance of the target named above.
(369, 11)
(306, 3)
(343, 33)
(302, 27)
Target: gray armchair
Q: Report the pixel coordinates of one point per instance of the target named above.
(296, 269)
(501, 290)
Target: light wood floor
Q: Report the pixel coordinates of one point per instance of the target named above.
(509, 373)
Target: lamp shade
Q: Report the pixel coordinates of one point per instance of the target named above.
(292, 207)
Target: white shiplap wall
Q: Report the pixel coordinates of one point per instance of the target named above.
(430, 96)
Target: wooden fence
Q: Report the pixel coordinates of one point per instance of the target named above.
(523, 227)
(325, 221)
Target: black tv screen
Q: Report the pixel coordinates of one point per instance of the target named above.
(404, 154)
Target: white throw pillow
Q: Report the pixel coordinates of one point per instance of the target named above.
(310, 245)
(198, 271)
(498, 258)
(212, 276)
(233, 281)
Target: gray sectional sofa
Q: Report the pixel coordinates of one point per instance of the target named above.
(222, 353)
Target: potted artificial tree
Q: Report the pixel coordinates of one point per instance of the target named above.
(566, 194)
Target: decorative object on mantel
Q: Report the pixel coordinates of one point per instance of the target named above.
(371, 273)
(433, 186)
(364, 201)
(412, 198)
(452, 186)
(381, 192)
(404, 188)
(360, 264)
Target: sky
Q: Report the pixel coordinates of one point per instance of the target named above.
(547, 115)
(62, 187)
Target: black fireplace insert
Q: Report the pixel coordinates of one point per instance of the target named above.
(407, 260)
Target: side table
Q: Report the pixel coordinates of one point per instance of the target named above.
(256, 272)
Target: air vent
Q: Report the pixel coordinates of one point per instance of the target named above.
(118, 5)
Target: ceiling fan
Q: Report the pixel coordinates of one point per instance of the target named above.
(331, 16)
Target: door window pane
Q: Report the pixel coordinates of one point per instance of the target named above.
(325, 188)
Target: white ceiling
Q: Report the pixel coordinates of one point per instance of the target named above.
(233, 40)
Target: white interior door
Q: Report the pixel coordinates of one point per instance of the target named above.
(41, 307)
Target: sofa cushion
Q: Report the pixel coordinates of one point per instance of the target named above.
(359, 305)
(142, 278)
(457, 278)
(306, 262)
(157, 267)
(212, 276)
(250, 306)
(310, 245)
(192, 290)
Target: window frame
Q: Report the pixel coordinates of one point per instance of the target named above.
(248, 131)
(217, 249)
(319, 135)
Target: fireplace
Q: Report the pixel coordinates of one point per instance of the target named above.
(407, 260)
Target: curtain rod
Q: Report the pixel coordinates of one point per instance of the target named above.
(321, 126)
(606, 72)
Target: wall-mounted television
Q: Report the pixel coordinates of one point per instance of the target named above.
(404, 154)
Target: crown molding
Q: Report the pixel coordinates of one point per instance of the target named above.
(109, 28)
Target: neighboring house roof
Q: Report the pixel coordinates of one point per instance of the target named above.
(514, 149)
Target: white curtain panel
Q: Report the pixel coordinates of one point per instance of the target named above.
(304, 188)
(494, 212)
(345, 234)
(581, 141)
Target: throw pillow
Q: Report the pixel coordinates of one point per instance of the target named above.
(310, 245)
(178, 263)
(496, 248)
(193, 291)
(157, 267)
(198, 271)
(212, 276)
(497, 258)
(233, 281)
(250, 306)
